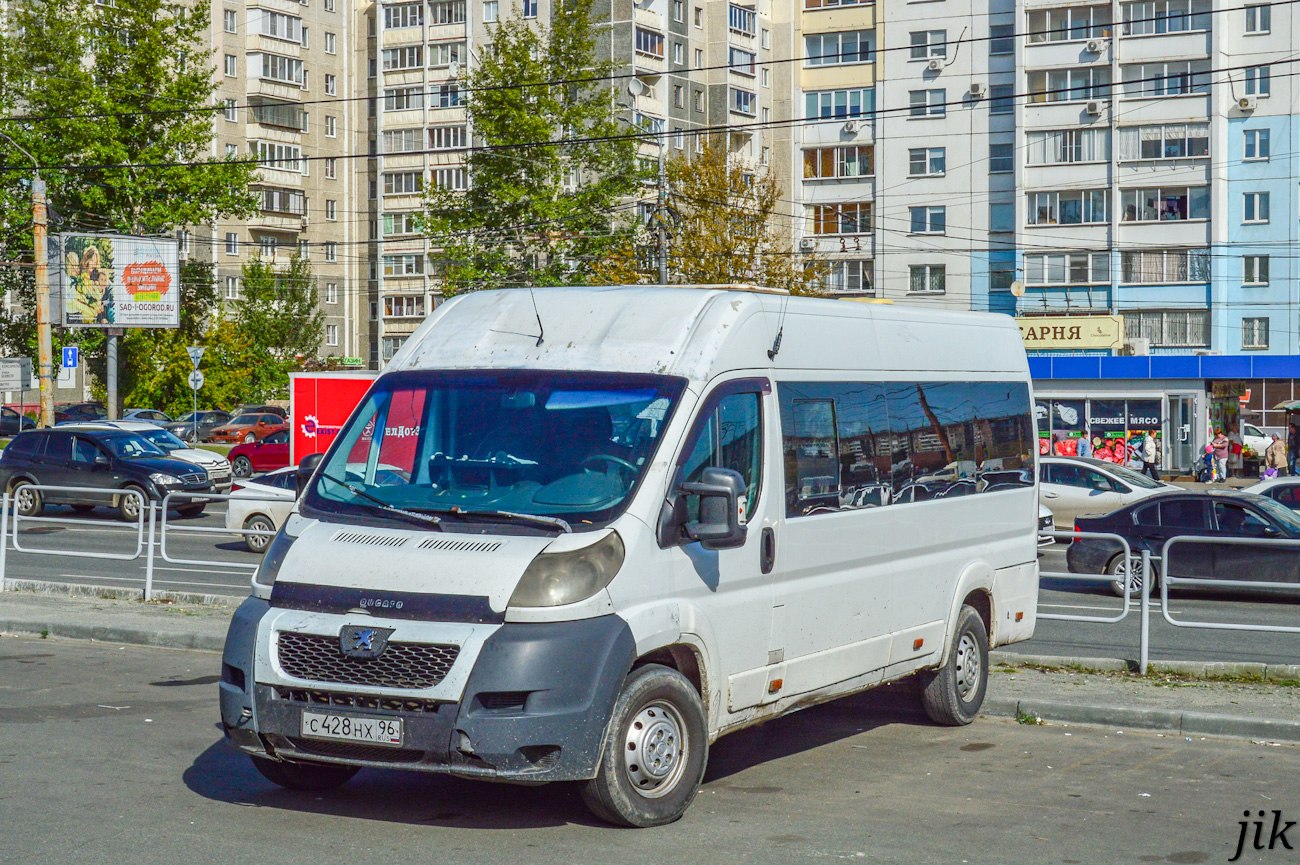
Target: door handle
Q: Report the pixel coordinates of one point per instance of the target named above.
(1047, 495)
(767, 551)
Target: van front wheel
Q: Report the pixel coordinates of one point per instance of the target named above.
(655, 751)
(954, 693)
(304, 776)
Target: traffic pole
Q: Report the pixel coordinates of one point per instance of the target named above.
(44, 338)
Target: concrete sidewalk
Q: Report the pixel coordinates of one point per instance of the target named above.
(1189, 702)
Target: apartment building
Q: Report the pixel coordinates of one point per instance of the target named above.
(287, 71)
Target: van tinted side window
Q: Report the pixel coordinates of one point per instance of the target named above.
(865, 444)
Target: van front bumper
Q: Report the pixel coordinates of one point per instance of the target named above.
(535, 707)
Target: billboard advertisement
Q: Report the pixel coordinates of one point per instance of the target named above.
(319, 404)
(109, 280)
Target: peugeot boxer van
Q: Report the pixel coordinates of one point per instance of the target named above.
(577, 534)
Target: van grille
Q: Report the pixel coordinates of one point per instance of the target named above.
(451, 546)
(356, 701)
(370, 540)
(318, 658)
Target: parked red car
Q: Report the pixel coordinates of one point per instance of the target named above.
(269, 454)
(247, 428)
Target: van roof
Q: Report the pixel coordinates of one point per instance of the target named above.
(701, 332)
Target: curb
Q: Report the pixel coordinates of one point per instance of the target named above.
(1195, 669)
(1158, 720)
(115, 593)
(116, 635)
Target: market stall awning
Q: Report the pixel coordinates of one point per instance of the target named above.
(1288, 405)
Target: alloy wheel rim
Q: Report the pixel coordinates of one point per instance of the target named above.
(655, 749)
(26, 498)
(968, 667)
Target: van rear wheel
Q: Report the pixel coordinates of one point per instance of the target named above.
(953, 694)
(304, 776)
(655, 751)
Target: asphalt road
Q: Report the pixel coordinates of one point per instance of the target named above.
(112, 755)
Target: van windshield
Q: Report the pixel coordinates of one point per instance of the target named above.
(556, 444)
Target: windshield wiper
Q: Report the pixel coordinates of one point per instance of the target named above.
(548, 522)
(429, 519)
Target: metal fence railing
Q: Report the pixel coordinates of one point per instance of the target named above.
(1169, 581)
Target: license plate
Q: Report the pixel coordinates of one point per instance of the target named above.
(353, 728)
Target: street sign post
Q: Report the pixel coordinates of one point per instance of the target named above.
(196, 354)
(15, 373)
(71, 357)
(196, 382)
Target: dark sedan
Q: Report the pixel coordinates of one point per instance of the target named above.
(184, 426)
(1147, 524)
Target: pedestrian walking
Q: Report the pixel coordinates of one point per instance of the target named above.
(1292, 449)
(1085, 448)
(1220, 443)
(1150, 457)
(1275, 458)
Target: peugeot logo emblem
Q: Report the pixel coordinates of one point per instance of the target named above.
(362, 641)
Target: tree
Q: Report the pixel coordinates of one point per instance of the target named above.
(726, 230)
(280, 320)
(549, 166)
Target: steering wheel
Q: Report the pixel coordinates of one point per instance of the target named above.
(609, 459)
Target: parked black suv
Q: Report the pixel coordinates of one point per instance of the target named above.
(103, 459)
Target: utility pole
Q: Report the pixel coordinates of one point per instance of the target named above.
(661, 212)
(44, 339)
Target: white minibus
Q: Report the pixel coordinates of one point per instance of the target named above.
(577, 534)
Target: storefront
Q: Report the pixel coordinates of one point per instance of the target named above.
(1110, 424)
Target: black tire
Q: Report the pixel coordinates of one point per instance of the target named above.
(659, 716)
(258, 543)
(128, 506)
(304, 776)
(953, 694)
(28, 502)
(191, 510)
(1116, 567)
(242, 466)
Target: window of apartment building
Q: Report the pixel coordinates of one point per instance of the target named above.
(229, 110)
(331, 168)
(1152, 17)
(741, 61)
(407, 57)
(403, 15)
(232, 151)
(830, 49)
(1168, 328)
(445, 96)
(927, 279)
(277, 25)
(276, 156)
(679, 11)
(841, 103)
(679, 96)
(331, 292)
(443, 54)
(927, 103)
(1002, 269)
(267, 246)
(277, 200)
(851, 217)
(1254, 269)
(286, 115)
(450, 11)
(1069, 85)
(329, 5)
(767, 77)
(1072, 207)
(403, 265)
(304, 249)
(1165, 203)
(372, 229)
(490, 12)
(403, 182)
(331, 251)
(926, 161)
(402, 140)
(331, 126)
(742, 20)
(230, 20)
(372, 66)
(928, 220)
(765, 41)
(1002, 158)
(331, 43)
(331, 210)
(1259, 18)
(373, 189)
(447, 137)
(1170, 141)
(1176, 78)
(1256, 144)
(1002, 216)
(1154, 266)
(1254, 333)
(699, 58)
(743, 102)
(826, 163)
(232, 66)
(1060, 146)
(232, 243)
(679, 54)
(450, 178)
(530, 8)
(287, 70)
(1068, 23)
(1002, 39)
(649, 42)
(403, 98)
(699, 16)
(929, 43)
(401, 223)
(765, 155)
(1067, 268)
(831, 4)
(404, 306)
(697, 100)
(767, 116)
(1257, 81)
(679, 138)
(391, 346)
(845, 276)
(1254, 207)
(1002, 99)
(331, 334)
(232, 288)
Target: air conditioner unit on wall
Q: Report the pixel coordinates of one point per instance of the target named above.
(1095, 46)
(851, 127)
(1136, 347)
(977, 90)
(807, 244)
(1247, 103)
(1094, 108)
(935, 65)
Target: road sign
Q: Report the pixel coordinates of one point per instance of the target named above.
(15, 373)
(196, 354)
(71, 357)
(196, 380)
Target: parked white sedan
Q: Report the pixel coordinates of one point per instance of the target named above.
(1070, 486)
(261, 504)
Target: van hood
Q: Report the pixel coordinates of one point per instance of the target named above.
(358, 567)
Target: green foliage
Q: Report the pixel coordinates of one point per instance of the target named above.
(536, 215)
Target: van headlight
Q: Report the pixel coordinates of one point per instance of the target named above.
(555, 579)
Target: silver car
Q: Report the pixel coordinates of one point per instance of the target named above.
(1070, 486)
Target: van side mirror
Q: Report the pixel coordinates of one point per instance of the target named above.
(305, 470)
(718, 527)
